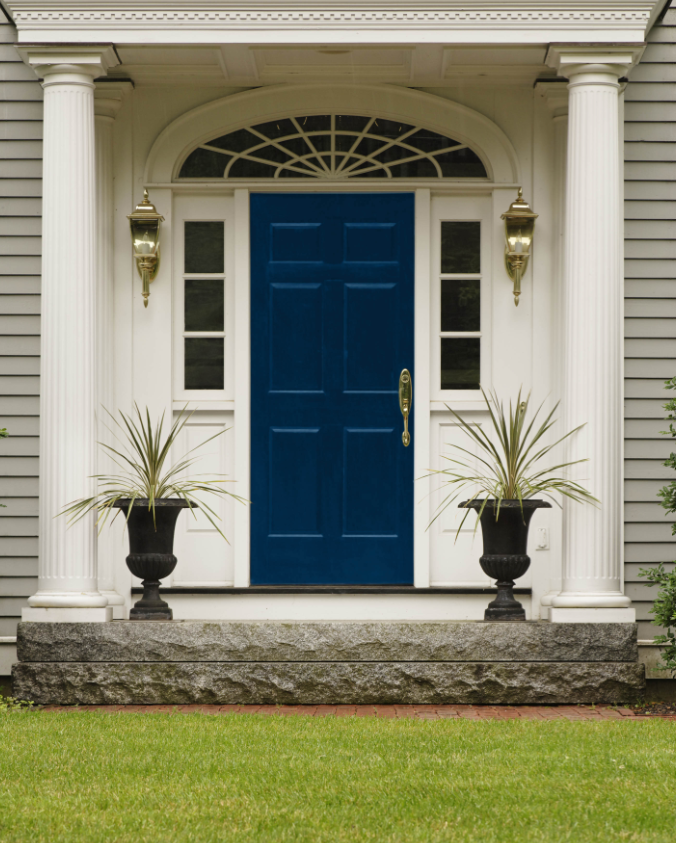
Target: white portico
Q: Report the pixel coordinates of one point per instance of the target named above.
(169, 81)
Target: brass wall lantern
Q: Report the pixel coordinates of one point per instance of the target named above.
(145, 225)
(519, 227)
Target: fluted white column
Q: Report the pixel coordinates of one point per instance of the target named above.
(592, 300)
(555, 94)
(108, 97)
(67, 572)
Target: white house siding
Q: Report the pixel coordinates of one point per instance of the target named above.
(650, 306)
(20, 192)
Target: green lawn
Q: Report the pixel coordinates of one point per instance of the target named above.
(160, 778)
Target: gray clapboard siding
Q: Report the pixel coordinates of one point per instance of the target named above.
(651, 449)
(641, 490)
(640, 554)
(653, 268)
(650, 190)
(643, 428)
(18, 567)
(25, 487)
(650, 308)
(28, 345)
(633, 229)
(648, 347)
(20, 226)
(653, 169)
(641, 131)
(19, 366)
(659, 288)
(20, 249)
(20, 304)
(650, 112)
(648, 368)
(642, 210)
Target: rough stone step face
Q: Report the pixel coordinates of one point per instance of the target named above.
(334, 641)
(330, 683)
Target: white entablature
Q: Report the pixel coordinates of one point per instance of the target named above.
(335, 21)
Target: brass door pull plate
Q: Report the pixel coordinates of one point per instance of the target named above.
(405, 403)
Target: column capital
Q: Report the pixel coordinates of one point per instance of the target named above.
(82, 59)
(108, 96)
(613, 60)
(555, 94)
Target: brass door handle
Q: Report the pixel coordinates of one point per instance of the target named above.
(405, 402)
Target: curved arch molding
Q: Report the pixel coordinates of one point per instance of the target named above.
(278, 101)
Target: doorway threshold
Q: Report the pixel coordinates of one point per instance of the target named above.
(328, 589)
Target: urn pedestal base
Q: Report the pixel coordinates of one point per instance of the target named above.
(505, 569)
(151, 607)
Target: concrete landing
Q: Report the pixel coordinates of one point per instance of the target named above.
(327, 663)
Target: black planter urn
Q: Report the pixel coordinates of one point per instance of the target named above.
(504, 558)
(151, 552)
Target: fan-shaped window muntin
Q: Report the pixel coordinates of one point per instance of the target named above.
(333, 146)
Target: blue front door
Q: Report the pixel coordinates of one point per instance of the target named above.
(331, 330)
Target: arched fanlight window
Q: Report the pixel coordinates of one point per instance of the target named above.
(332, 146)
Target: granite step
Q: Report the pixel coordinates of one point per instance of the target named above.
(327, 663)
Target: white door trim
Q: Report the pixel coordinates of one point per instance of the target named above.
(421, 387)
(242, 381)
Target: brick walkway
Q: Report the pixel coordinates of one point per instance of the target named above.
(417, 712)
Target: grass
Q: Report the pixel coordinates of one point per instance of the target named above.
(132, 777)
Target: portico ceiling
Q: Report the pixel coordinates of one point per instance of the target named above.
(335, 22)
(411, 65)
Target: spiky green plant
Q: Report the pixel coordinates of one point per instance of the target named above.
(141, 454)
(507, 465)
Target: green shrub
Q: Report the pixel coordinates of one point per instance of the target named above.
(664, 607)
(12, 704)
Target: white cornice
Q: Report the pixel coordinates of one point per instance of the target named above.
(270, 20)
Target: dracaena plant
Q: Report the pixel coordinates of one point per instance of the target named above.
(508, 460)
(142, 453)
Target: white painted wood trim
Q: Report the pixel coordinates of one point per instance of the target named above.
(272, 102)
(421, 386)
(242, 380)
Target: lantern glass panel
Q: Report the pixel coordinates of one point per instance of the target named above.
(145, 237)
(519, 235)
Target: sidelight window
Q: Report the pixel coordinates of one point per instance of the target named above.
(460, 311)
(204, 305)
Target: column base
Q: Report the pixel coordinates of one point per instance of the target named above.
(116, 601)
(67, 615)
(546, 604)
(580, 615)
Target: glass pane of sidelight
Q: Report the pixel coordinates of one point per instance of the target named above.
(204, 246)
(460, 247)
(204, 304)
(460, 363)
(204, 363)
(460, 305)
